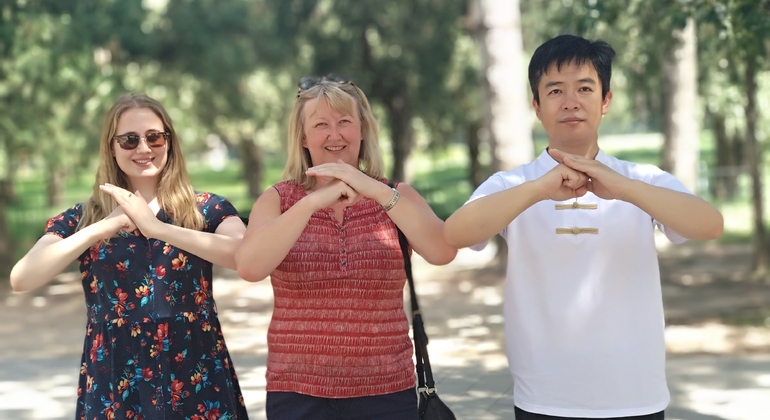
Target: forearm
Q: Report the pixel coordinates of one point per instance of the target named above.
(264, 247)
(482, 219)
(686, 214)
(213, 247)
(424, 231)
(46, 260)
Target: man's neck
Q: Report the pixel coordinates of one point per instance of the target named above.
(590, 151)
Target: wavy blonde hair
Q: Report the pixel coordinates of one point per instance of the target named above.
(342, 97)
(175, 194)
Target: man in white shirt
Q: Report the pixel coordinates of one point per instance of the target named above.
(583, 308)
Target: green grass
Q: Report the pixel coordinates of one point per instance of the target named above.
(227, 183)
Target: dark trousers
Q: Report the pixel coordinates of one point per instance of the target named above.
(293, 406)
(526, 415)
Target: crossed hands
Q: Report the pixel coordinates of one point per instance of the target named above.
(346, 184)
(576, 175)
(132, 212)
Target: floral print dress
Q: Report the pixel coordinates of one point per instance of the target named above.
(154, 347)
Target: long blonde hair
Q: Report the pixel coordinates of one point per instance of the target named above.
(175, 194)
(342, 97)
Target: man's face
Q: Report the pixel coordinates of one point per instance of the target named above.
(571, 105)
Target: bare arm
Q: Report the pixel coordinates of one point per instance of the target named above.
(422, 228)
(686, 214)
(51, 254)
(412, 214)
(218, 247)
(271, 234)
(485, 217)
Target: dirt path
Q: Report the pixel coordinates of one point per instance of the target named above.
(712, 306)
(711, 303)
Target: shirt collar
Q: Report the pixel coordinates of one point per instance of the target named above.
(546, 162)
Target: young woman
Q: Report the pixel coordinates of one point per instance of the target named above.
(146, 243)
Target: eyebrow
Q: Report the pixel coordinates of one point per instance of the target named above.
(588, 80)
(152, 130)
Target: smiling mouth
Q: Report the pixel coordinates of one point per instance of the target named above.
(142, 161)
(335, 148)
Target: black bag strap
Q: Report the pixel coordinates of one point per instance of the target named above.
(424, 372)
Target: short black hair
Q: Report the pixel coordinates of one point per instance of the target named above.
(571, 49)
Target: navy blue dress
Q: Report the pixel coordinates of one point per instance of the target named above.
(154, 347)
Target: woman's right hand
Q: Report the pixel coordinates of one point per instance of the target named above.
(115, 222)
(272, 233)
(333, 192)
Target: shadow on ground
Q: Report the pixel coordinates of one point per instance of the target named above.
(708, 293)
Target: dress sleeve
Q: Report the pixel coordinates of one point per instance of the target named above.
(65, 223)
(215, 210)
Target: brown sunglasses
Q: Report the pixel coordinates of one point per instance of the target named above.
(309, 82)
(131, 141)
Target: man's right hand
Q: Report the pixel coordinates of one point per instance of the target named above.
(562, 183)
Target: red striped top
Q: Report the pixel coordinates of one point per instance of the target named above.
(339, 329)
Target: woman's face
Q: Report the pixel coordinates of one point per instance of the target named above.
(330, 135)
(145, 162)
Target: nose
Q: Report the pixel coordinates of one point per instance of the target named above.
(570, 102)
(143, 144)
(334, 132)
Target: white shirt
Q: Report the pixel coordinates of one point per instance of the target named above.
(583, 312)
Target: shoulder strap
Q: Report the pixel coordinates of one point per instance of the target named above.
(424, 371)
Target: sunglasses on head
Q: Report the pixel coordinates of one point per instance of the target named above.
(131, 141)
(308, 82)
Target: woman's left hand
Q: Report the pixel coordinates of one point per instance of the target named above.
(363, 184)
(136, 208)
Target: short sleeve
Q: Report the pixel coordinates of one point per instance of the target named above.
(666, 180)
(215, 210)
(494, 184)
(65, 223)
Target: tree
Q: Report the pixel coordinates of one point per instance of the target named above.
(744, 26)
(720, 82)
(44, 98)
(228, 57)
(750, 23)
(508, 115)
(397, 52)
(681, 129)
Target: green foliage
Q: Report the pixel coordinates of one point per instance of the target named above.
(230, 69)
(404, 55)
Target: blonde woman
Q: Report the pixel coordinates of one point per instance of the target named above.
(146, 243)
(338, 342)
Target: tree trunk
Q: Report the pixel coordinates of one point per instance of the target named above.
(475, 171)
(251, 164)
(507, 108)
(681, 145)
(508, 117)
(728, 160)
(400, 116)
(754, 162)
(10, 195)
(6, 251)
(55, 186)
